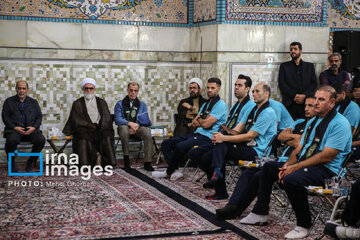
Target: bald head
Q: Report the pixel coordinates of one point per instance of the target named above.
(22, 88)
(261, 93)
(22, 81)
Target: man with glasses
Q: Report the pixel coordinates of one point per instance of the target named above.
(133, 121)
(188, 108)
(22, 117)
(91, 126)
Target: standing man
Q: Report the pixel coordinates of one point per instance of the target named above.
(133, 121)
(22, 117)
(334, 73)
(250, 138)
(188, 108)
(296, 81)
(91, 125)
(212, 114)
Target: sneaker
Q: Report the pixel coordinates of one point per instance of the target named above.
(347, 232)
(159, 174)
(216, 196)
(298, 232)
(228, 212)
(176, 175)
(148, 167)
(254, 219)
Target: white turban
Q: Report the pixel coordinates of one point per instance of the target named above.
(86, 81)
(196, 80)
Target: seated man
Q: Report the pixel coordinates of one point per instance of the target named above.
(248, 183)
(188, 108)
(284, 120)
(346, 107)
(283, 117)
(250, 138)
(334, 73)
(22, 117)
(238, 111)
(356, 90)
(91, 126)
(356, 131)
(212, 114)
(319, 156)
(133, 121)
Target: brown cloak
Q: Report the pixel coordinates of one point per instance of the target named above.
(90, 138)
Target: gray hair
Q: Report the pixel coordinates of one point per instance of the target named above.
(334, 55)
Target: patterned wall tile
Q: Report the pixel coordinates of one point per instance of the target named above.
(204, 10)
(344, 14)
(108, 11)
(56, 85)
(298, 11)
(257, 73)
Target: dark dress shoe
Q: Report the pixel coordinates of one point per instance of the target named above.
(208, 185)
(148, 167)
(228, 212)
(127, 164)
(29, 165)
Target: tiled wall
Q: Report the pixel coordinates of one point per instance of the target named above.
(56, 85)
(297, 12)
(105, 11)
(204, 10)
(344, 15)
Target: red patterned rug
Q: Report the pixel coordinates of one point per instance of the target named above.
(276, 229)
(102, 207)
(121, 206)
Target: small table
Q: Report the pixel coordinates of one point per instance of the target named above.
(54, 147)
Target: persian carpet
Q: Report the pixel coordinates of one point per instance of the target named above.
(276, 229)
(120, 206)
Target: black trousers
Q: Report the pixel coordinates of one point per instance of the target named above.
(294, 185)
(216, 159)
(175, 149)
(13, 139)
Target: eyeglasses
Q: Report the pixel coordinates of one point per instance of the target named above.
(88, 88)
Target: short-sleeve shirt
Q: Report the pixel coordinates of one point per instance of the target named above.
(283, 117)
(219, 111)
(352, 114)
(246, 109)
(337, 136)
(284, 158)
(265, 126)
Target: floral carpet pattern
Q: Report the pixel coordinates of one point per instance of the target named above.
(276, 228)
(120, 206)
(103, 207)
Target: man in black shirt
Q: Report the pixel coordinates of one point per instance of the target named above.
(22, 117)
(296, 81)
